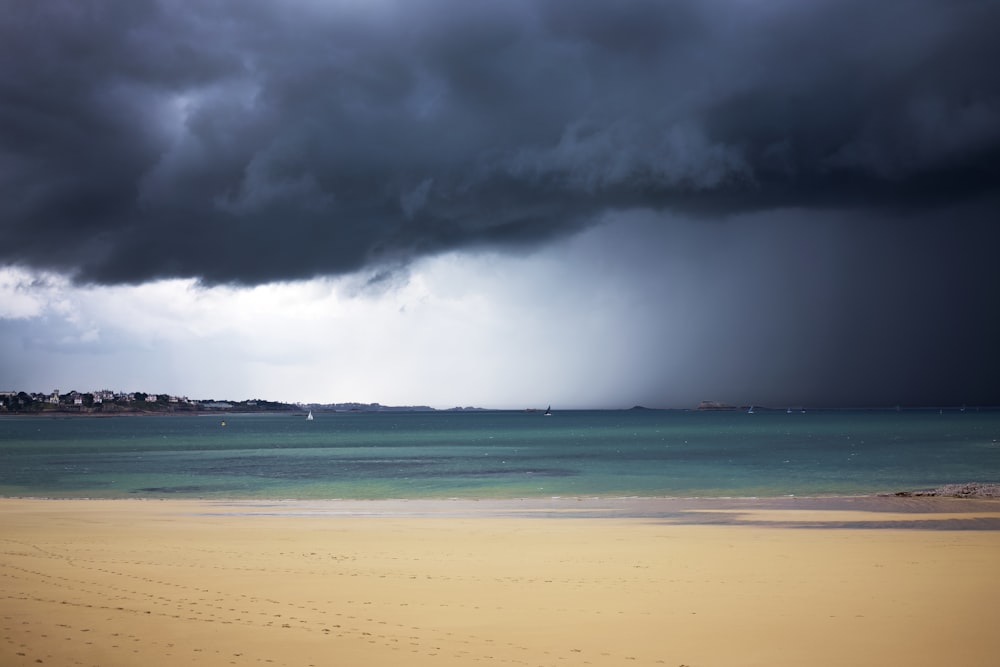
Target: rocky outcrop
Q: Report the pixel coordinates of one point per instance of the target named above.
(967, 490)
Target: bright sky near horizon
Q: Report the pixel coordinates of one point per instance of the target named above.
(584, 204)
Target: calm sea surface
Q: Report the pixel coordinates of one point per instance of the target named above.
(498, 454)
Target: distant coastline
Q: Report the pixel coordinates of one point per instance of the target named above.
(200, 410)
(107, 404)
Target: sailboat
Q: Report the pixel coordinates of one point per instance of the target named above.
(548, 411)
(309, 417)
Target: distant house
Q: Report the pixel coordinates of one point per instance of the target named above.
(104, 395)
(54, 398)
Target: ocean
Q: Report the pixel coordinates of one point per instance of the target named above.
(499, 454)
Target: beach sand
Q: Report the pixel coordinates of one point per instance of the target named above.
(148, 582)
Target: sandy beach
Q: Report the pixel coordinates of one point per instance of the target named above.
(130, 582)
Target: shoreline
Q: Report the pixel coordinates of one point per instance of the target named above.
(869, 511)
(965, 491)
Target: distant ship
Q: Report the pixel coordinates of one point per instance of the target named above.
(548, 411)
(309, 417)
(750, 411)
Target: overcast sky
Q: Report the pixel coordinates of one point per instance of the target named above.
(588, 203)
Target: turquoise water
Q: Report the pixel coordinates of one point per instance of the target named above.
(498, 454)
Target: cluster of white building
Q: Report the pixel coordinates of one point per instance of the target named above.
(77, 398)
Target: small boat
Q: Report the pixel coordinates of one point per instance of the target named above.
(548, 411)
(309, 417)
(750, 411)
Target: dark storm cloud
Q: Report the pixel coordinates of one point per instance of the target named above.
(248, 141)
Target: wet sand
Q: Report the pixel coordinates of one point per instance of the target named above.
(548, 582)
